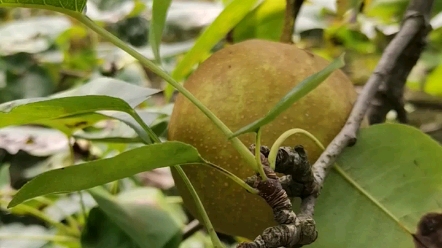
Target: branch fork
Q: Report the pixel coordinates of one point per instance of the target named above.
(293, 230)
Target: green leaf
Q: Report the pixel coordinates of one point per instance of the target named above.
(146, 117)
(226, 20)
(60, 107)
(4, 176)
(432, 84)
(68, 125)
(159, 13)
(101, 231)
(300, 90)
(380, 188)
(56, 5)
(130, 93)
(98, 172)
(264, 22)
(144, 224)
(345, 5)
(78, 105)
(122, 140)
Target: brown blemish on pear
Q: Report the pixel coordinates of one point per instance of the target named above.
(239, 84)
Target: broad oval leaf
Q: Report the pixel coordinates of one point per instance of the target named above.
(130, 223)
(380, 188)
(98, 172)
(57, 5)
(101, 231)
(159, 13)
(300, 90)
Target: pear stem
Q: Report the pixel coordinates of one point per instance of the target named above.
(258, 155)
(291, 13)
(278, 143)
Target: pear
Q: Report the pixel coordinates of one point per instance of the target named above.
(241, 83)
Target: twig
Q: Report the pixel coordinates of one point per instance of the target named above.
(390, 94)
(291, 12)
(191, 228)
(292, 230)
(414, 28)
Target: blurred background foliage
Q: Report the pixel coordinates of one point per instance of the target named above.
(43, 53)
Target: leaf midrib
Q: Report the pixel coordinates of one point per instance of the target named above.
(369, 196)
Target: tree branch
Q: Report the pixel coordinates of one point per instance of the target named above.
(389, 95)
(407, 44)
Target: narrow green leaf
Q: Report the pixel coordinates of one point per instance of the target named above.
(91, 174)
(145, 225)
(232, 14)
(56, 5)
(264, 22)
(299, 91)
(146, 117)
(68, 125)
(60, 107)
(159, 14)
(66, 113)
(393, 176)
(122, 140)
(134, 95)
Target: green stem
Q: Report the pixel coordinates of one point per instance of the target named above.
(114, 187)
(237, 144)
(234, 178)
(258, 155)
(72, 157)
(145, 127)
(72, 222)
(174, 199)
(36, 213)
(53, 238)
(274, 150)
(83, 206)
(215, 240)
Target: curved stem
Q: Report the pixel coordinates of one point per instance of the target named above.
(234, 178)
(71, 221)
(72, 157)
(258, 155)
(52, 238)
(200, 208)
(239, 146)
(145, 127)
(36, 213)
(275, 147)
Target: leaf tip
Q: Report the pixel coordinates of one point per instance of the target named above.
(14, 202)
(342, 59)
